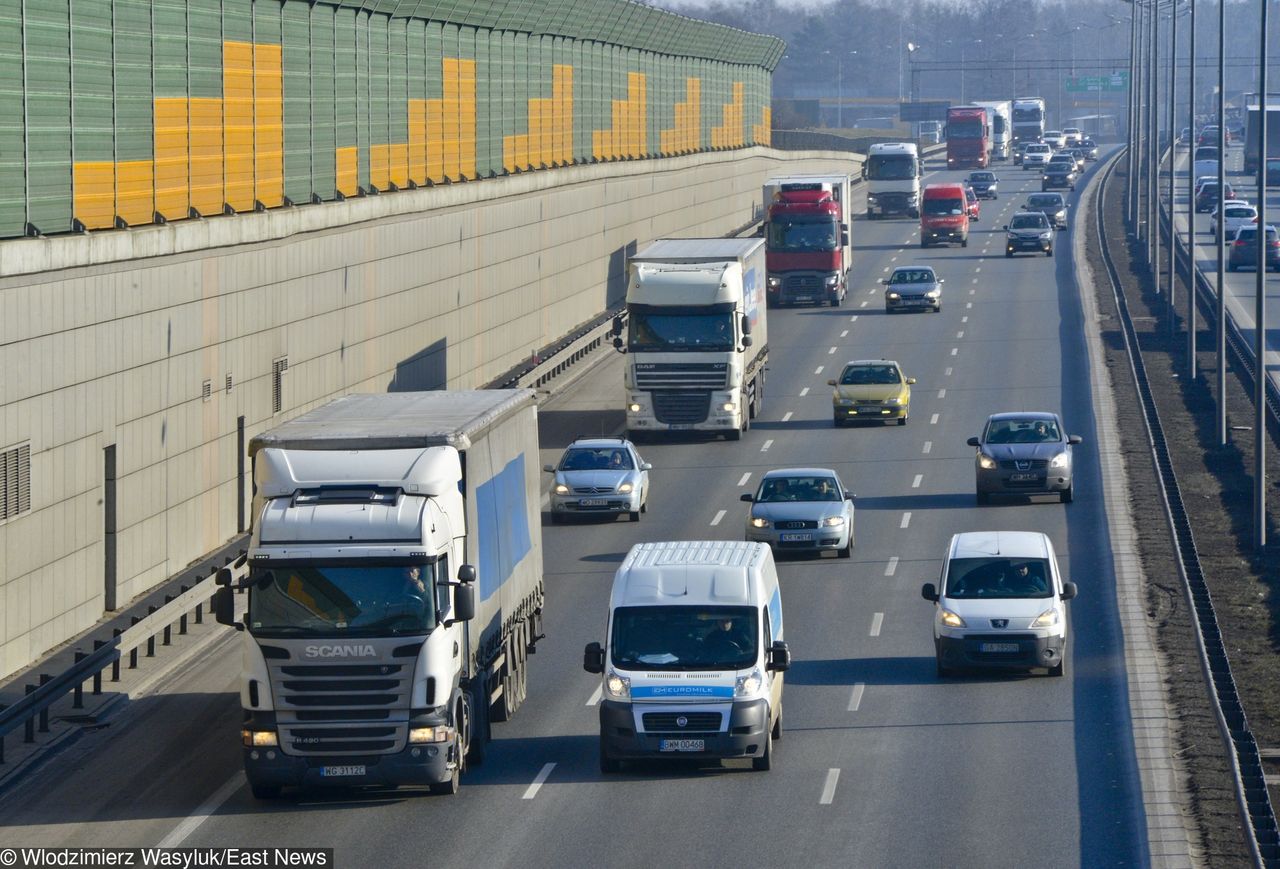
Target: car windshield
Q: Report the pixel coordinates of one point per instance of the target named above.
(1206, 153)
(1029, 221)
(1250, 234)
(798, 488)
(998, 577)
(678, 329)
(1038, 148)
(942, 207)
(912, 276)
(982, 177)
(802, 236)
(1049, 200)
(318, 600)
(1245, 213)
(596, 459)
(864, 375)
(1022, 431)
(685, 638)
(969, 195)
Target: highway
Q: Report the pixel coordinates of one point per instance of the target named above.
(881, 763)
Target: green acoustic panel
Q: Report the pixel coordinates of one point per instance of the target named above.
(344, 50)
(323, 127)
(93, 89)
(204, 47)
(237, 20)
(364, 98)
(133, 81)
(47, 33)
(378, 99)
(397, 82)
(169, 20)
(296, 55)
(13, 194)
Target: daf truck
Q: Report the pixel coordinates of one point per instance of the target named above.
(695, 337)
(1028, 119)
(1000, 116)
(892, 172)
(806, 230)
(394, 589)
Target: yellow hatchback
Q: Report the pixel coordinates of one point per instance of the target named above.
(870, 390)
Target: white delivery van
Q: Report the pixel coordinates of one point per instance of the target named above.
(694, 654)
(1000, 603)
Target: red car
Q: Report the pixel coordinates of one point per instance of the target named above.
(973, 205)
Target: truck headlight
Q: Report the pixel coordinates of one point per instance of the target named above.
(561, 489)
(1059, 461)
(832, 521)
(633, 407)
(913, 198)
(986, 462)
(1046, 619)
(773, 282)
(951, 620)
(625, 488)
(759, 522)
(728, 407)
(419, 735)
(259, 738)
(617, 686)
(833, 280)
(746, 686)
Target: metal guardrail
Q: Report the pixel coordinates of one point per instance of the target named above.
(32, 711)
(554, 360)
(1256, 812)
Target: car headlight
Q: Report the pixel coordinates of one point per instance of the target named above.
(561, 489)
(894, 296)
(759, 522)
(430, 734)
(1046, 619)
(832, 521)
(746, 686)
(932, 294)
(1045, 236)
(259, 738)
(842, 401)
(617, 686)
(986, 462)
(625, 488)
(774, 283)
(833, 280)
(951, 620)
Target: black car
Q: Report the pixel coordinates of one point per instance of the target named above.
(1090, 149)
(1059, 173)
(1029, 231)
(985, 184)
(1244, 248)
(1018, 149)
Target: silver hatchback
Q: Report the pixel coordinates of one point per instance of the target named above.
(802, 510)
(1026, 454)
(599, 475)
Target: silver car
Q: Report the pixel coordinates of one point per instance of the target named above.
(599, 475)
(1053, 205)
(913, 288)
(802, 510)
(1024, 453)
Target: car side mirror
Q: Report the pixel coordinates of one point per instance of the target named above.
(831, 383)
(942, 280)
(645, 466)
(464, 603)
(224, 608)
(910, 381)
(1074, 439)
(929, 591)
(1006, 227)
(1068, 590)
(849, 496)
(747, 496)
(467, 573)
(973, 442)
(779, 659)
(550, 469)
(593, 658)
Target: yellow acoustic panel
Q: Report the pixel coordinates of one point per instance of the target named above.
(237, 109)
(398, 164)
(450, 111)
(379, 167)
(435, 140)
(135, 191)
(94, 200)
(206, 155)
(171, 157)
(467, 118)
(418, 141)
(268, 125)
(346, 164)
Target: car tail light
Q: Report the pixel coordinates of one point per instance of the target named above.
(1273, 244)
(1240, 242)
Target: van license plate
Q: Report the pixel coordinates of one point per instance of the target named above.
(341, 771)
(683, 745)
(999, 648)
(796, 538)
(592, 502)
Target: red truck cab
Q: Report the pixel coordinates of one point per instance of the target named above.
(944, 215)
(807, 242)
(968, 137)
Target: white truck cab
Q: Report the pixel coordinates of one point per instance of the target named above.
(694, 654)
(892, 171)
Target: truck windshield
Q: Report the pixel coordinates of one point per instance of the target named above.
(685, 637)
(943, 207)
(965, 129)
(679, 329)
(890, 167)
(1029, 115)
(798, 235)
(342, 601)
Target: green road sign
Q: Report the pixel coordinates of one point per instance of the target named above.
(1118, 81)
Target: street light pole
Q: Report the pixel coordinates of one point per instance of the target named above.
(1260, 307)
(1173, 99)
(1221, 240)
(1191, 210)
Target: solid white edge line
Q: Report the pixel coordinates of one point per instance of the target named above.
(829, 787)
(532, 790)
(915, 484)
(856, 699)
(189, 824)
(877, 622)
(596, 696)
(719, 515)
(745, 477)
(892, 567)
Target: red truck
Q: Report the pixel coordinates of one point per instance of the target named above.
(968, 137)
(807, 234)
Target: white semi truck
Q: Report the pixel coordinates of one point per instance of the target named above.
(696, 336)
(394, 591)
(1028, 119)
(892, 172)
(1000, 113)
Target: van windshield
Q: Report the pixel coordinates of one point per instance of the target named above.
(997, 577)
(685, 637)
(943, 207)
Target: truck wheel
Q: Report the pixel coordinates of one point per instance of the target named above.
(735, 435)
(1049, 252)
(478, 721)
(964, 242)
(609, 765)
(764, 762)
(450, 786)
(264, 792)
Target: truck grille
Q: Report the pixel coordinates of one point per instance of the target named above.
(695, 722)
(330, 709)
(681, 408)
(803, 282)
(680, 375)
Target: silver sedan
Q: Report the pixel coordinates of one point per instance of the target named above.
(802, 510)
(599, 475)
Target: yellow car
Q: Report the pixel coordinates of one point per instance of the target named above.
(871, 390)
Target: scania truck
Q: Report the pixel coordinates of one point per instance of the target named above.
(806, 230)
(696, 336)
(1028, 119)
(892, 172)
(394, 589)
(999, 115)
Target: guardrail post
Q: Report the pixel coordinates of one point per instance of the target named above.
(77, 695)
(3, 706)
(29, 728)
(168, 636)
(200, 613)
(97, 675)
(151, 640)
(182, 622)
(133, 653)
(44, 713)
(115, 665)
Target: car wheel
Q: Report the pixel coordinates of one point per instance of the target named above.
(846, 551)
(609, 764)
(1049, 252)
(453, 783)
(837, 421)
(1061, 669)
(764, 762)
(1008, 254)
(943, 672)
(735, 435)
(937, 309)
(924, 243)
(644, 507)
(1067, 495)
(964, 242)
(902, 420)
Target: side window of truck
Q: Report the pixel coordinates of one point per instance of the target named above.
(442, 590)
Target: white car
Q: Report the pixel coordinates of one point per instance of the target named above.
(1073, 135)
(1234, 214)
(1055, 139)
(1036, 156)
(1205, 161)
(1000, 603)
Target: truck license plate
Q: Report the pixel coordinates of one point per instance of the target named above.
(341, 771)
(683, 745)
(796, 538)
(592, 502)
(998, 648)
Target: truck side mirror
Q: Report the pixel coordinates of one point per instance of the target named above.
(844, 238)
(779, 660)
(224, 608)
(617, 325)
(464, 603)
(467, 573)
(617, 344)
(746, 341)
(929, 592)
(223, 577)
(593, 658)
(746, 325)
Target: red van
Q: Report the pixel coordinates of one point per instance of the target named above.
(944, 215)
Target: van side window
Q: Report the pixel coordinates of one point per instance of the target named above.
(768, 629)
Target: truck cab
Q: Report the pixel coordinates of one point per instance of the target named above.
(807, 248)
(892, 172)
(968, 137)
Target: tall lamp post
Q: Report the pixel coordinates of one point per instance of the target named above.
(1260, 306)
(912, 48)
(840, 55)
(1221, 239)
(1191, 234)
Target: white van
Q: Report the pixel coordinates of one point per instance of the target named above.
(694, 655)
(1001, 602)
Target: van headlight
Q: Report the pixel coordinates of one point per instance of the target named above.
(1059, 461)
(1046, 619)
(617, 686)
(986, 462)
(843, 402)
(748, 685)
(893, 401)
(759, 522)
(561, 489)
(951, 620)
(1045, 236)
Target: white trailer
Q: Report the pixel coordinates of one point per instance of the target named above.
(1000, 113)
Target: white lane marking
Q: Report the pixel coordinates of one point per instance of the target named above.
(942, 393)
(818, 370)
(804, 392)
(829, 787)
(977, 269)
(975, 280)
(856, 699)
(906, 519)
(596, 696)
(960, 334)
(862, 305)
(719, 516)
(933, 420)
(915, 484)
(877, 622)
(853, 319)
(968, 304)
(832, 351)
(893, 259)
(964, 319)
(928, 446)
(973, 292)
(786, 417)
(189, 824)
(532, 790)
(955, 350)
(892, 567)
(871, 292)
(949, 372)
(886, 268)
(765, 447)
(844, 334)
(745, 477)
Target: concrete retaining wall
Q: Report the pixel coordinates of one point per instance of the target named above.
(108, 342)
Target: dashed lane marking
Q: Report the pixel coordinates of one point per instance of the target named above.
(538, 781)
(877, 622)
(804, 392)
(955, 350)
(964, 319)
(189, 824)
(862, 304)
(960, 334)
(832, 351)
(745, 477)
(915, 484)
(949, 370)
(906, 519)
(844, 334)
(818, 370)
(892, 567)
(933, 420)
(855, 700)
(942, 393)
(786, 417)
(719, 516)
(829, 787)
(928, 447)
(765, 446)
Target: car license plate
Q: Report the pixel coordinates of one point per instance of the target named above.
(683, 745)
(869, 409)
(592, 502)
(917, 302)
(1023, 478)
(997, 648)
(796, 538)
(341, 771)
